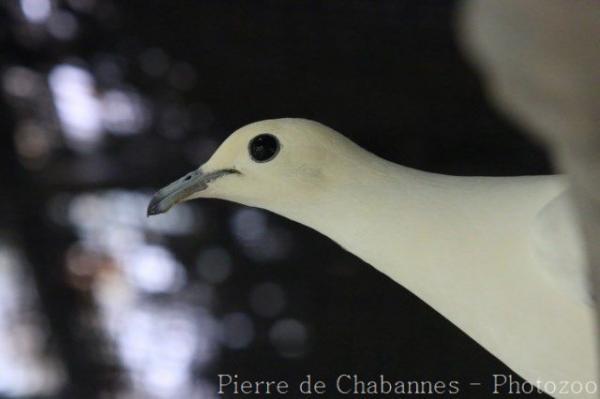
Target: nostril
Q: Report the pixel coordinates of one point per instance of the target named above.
(188, 177)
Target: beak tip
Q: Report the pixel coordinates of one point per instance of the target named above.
(154, 208)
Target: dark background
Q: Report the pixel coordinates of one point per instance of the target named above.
(105, 101)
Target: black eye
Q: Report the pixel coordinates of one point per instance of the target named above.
(263, 147)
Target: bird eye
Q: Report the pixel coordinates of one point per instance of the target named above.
(263, 147)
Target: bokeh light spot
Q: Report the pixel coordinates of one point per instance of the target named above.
(62, 25)
(36, 10)
(289, 336)
(154, 269)
(214, 265)
(238, 330)
(78, 107)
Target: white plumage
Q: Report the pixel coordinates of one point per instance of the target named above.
(498, 257)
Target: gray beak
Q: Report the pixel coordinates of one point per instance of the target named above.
(182, 189)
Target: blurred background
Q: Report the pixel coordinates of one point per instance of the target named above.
(102, 102)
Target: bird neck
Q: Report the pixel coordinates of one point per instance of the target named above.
(381, 212)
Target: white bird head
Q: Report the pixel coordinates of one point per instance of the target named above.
(272, 164)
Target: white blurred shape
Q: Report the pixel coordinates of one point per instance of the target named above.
(78, 108)
(178, 221)
(214, 265)
(160, 345)
(124, 112)
(36, 10)
(86, 211)
(154, 269)
(24, 369)
(62, 25)
(238, 330)
(267, 299)
(116, 239)
(90, 212)
(9, 291)
(289, 336)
